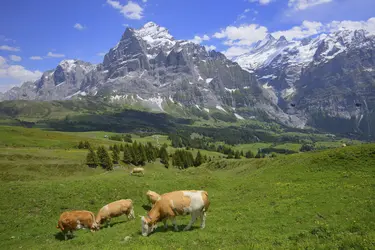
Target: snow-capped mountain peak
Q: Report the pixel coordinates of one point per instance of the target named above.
(155, 35)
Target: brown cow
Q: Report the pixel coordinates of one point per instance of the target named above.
(174, 204)
(72, 220)
(115, 209)
(152, 196)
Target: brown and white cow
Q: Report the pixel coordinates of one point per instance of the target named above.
(175, 204)
(73, 220)
(152, 196)
(137, 170)
(115, 209)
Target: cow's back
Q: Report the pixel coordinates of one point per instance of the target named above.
(184, 201)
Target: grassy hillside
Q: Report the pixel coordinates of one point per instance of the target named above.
(320, 200)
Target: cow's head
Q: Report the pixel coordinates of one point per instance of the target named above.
(95, 227)
(147, 226)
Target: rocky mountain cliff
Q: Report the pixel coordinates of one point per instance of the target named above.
(150, 68)
(328, 79)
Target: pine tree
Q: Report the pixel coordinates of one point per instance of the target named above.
(92, 159)
(237, 155)
(106, 161)
(110, 147)
(142, 154)
(121, 147)
(116, 148)
(104, 158)
(127, 154)
(135, 153)
(163, 155)
(115, 156)
(241, 153)
(198, 159)
(249, 154)
(81, 145)
(86, 145)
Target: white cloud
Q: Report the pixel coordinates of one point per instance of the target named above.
(101, 54)
(79, 26)
(368, 25)
(210, 47)
(35, 58)
(15, 58)
(305, 4)
(235, 51)
(131, 10)
(145, 1)
(298, 32)
(9, 48)
(198, 39)
(308, 28)
(242, 35)
(16, 74)
(262, 2)
(50, 54)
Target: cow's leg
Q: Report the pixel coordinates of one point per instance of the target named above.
(165, 224)
(203, 220)
(173, 219)
(108, 223)
(65, 235)
(193, 219)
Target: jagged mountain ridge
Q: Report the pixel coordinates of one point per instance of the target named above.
(328, 79)
(148, 66)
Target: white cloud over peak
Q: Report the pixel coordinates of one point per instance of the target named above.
(79, 26)
(35, 58)
(131, 10)
(16, 74)
(15, 58)
(368, 25)
(210, 47)
(9, 48)
(101, 54)
(242, 35)
(305, 4)
(306, 29)
(235, 51)
(198, 39)
(50, 54)
(262, 2)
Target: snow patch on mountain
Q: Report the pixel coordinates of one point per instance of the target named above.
(221, 108)
(238, 116)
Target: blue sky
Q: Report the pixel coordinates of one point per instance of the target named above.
(36, 35)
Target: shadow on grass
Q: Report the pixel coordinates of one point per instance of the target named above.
(60, 236)
(170, 228)
(146, 207)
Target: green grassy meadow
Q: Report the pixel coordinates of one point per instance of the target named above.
(318, 200)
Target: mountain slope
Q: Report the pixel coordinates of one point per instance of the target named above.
(328, 79)
(150, 68)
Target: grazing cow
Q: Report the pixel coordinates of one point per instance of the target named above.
(137, 170)
(174, 204)
(74, 220)
(115, 209)
(152, 196)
